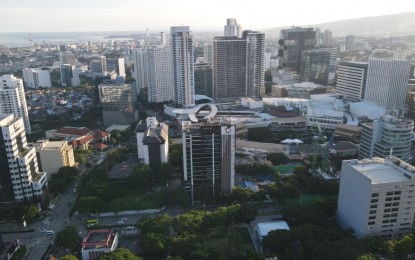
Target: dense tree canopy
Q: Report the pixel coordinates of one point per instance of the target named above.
(68, 238)
(120, 253)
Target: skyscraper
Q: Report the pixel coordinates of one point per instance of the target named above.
(67, 57)
(292, 42)
(69, 76)
(387, 83)
(181, 43)
(208, 52)
(116, 65)
(20, 179)
(315, 65)
(232, 28)
(13, 100)
(208, 155)
(203, 79)
(118, 103)
(385, 136)
(163, 39)
(351, 80)
(154, 66)
(98, 66)
(238, 65)
(350, 42)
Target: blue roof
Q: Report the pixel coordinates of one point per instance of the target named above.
(248, 184)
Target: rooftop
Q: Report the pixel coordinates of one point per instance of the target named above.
(383, 170)
(98, 238)
(266, 227)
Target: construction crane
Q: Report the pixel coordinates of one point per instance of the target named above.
(319, 139)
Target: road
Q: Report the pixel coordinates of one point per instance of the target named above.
(36, 242)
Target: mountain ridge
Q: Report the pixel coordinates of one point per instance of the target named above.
(400, 24)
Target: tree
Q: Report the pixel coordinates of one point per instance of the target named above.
(163, 172)
(68, 238)
(120, 253)
(154, 244)
(176, 155)
(31, 212)
(159, 225)
(278, 158)
(68, 257)
(190, 222)
(260, 134)
(141, 177)
(93, 204)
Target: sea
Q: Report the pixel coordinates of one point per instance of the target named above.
(20, 39)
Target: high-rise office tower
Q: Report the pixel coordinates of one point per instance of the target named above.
(326, 39)
(13, 100)
(203, 79)
(350, 42)
(315, 65)
(387, 83)
(292, 42)
(98, 66)
(67, 57)
(35, 78)
(208, 156)
(20, 179)
(385, 136)
(232, 28)
(116, 65)
(181, 44)
(69, 76)
(333, 61)
(208, 52)
(238, 65)
(117, 102)
(155, 72)
(351, 80)
(376, 197)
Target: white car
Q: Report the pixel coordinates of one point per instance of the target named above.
(120, 222)
(124, 218)
(129, 227)
(43, 230)
(50, 232)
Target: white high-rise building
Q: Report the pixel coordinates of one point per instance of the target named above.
(351, 80)
(13, 100)
(181, 43)
(155, 72)
(163, 39)
(387, 83)
(385, 136)
(232, 28)
(35, 78)
(255, 67)
(19, 173)
(376, 197)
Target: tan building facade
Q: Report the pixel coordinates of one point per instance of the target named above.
(53, 155)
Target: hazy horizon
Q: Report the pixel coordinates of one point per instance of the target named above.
(158, 15)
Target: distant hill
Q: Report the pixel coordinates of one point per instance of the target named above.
(402, 24)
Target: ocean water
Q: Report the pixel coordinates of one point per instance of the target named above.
(20, 39)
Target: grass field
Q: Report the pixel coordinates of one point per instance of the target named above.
(284, 168)
(305, 198)
(218, 236)
(136, 202)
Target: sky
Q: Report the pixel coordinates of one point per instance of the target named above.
(159, 15)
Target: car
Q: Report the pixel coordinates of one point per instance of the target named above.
(74, 190)
(50, 232)
(129, 227)
(120, 222)
(124, 218)
(43, 230)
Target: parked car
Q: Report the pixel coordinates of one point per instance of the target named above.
(120, 222)
(124, 218)
(129, 227)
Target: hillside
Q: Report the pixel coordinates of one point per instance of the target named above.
(402, 24)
